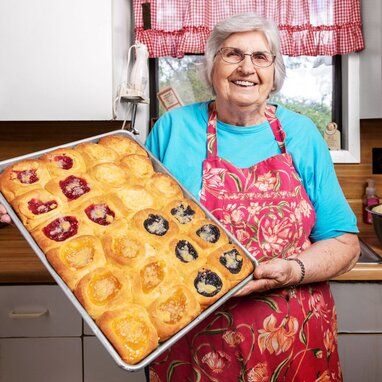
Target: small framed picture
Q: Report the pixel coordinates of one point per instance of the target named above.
(169, 98)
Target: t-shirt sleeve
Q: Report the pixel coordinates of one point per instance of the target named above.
(334, 217)
(157, 140)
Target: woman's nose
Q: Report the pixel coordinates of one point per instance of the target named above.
(246, 66)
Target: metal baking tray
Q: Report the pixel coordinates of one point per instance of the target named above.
(158, 166)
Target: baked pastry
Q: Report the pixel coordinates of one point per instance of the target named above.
(165, 188)
(61, 161)
(60, 228)
(152, 279)
(103, 289)
(94, 154)
(74, 259)
(173, 310)
(154, 226)
(130, 331)
(231, 262)
(124, 248)
(102, 212)
(36, 206)
(74, 188)
(139, 167)
(208, 235)
(208, 284)
(22, 177)
(185, 212)
(185, 254)
(122, 145)
(110, 174)
(135, 198)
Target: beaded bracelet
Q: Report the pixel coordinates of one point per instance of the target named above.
(302, 266)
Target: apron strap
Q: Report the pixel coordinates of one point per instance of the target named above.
(212, 149)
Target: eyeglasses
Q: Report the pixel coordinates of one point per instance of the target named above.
(235, 56)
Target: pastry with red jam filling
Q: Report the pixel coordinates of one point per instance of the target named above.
(62, 162)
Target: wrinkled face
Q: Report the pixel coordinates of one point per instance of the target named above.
(243, 84)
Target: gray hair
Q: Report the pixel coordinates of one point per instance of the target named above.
(245, 22)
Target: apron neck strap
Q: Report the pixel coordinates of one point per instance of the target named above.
(212, 149)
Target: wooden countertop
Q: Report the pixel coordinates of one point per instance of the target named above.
(19, 264)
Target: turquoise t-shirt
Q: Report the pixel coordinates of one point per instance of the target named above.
(178, 140)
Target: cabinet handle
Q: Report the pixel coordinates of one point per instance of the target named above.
(13, 314)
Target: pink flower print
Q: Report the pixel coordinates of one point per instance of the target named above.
(254, 208)
(317, 305)
(305, 208)
(275, 234)
(233, 338)
(213, 178)
(237, 216)
(266, 182)
(259, 373)
(242, 235)
(216, 360)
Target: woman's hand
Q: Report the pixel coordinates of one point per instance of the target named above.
(272, 274)
(4, 217)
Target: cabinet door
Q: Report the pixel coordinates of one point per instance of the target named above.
(40, 360)
(100, 367)
(360, 356)
(56, 60)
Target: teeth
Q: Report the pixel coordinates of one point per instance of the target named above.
(244, 83)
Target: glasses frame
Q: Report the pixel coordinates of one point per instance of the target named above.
(220, 51)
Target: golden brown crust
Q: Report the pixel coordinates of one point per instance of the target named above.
(122, 145)
(135, 198)
(37, 206)
(232, 262)
(60, 162)
(173, 310)
(164, 188)
(103, 289)
(208, 284)
(208, 235)
(94, 154)
(184, 212)
(110, 174)
(60, 228)
(130, 331)
(153, 226)
(76, 258)
(22, 177)
(139, 167)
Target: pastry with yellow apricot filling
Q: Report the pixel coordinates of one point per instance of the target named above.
(154, 226)
(58, 229)
(111, 175)
(74, 259)
(130, 331)
(36, 206)
(102, 212)
(139, 167)
(23, 177)
(184, 212)
(103, 289)
(74, 188)
(94, 154)
(208, 235)
(208, 284)
(231, 261)
(135, 198)
(152, 279)
(185, 254)
(60, 162)
(122, 145)
(173, 310)
(124, 248)
(165, 188)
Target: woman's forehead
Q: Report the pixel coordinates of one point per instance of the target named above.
(247, 41)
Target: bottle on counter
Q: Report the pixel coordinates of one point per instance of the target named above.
(370, 199)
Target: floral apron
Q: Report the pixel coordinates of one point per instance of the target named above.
(281, 335)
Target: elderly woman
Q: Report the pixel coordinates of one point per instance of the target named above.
(265, 172)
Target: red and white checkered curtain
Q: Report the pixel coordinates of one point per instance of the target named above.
(307, 27)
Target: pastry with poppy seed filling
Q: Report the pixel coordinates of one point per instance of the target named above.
(208, 235)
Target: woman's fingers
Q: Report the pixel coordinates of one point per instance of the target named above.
(4, 217)
(256, 286)
(2, 210)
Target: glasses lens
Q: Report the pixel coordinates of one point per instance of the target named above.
(231, 55)
(262, 59)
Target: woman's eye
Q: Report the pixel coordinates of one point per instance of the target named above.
(233, 53)
(260, 57)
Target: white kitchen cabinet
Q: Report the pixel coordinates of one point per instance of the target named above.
(60, 58)
(100, 367)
